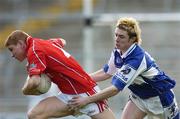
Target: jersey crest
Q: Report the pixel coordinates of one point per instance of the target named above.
(126, 70)
(118, 61)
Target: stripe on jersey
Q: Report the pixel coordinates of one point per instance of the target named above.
(60, 48)
(150, 73)
(66, 66)
(71, 85)
(37, 55)
(102, 105)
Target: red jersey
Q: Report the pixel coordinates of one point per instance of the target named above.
(47, 56)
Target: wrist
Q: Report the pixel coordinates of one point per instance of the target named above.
(88, 100)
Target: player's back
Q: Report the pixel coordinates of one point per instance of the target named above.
(64, 70)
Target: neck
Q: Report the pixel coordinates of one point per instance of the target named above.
(122, 51)
(126, 48)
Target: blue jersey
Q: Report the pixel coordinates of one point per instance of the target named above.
(137, 70)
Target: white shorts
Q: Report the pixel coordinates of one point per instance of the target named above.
(153, 107)
(90, 109)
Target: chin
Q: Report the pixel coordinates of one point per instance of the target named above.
(21, 60)
(117, 47)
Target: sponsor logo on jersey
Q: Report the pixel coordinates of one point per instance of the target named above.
(33, 68)
(32, 65)
(126, 70)
(121, 76)
(118, 61)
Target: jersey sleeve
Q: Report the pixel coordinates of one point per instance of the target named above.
(36, 62)
(110, 68)
(123, 76)
(128, 73)
(58, 42)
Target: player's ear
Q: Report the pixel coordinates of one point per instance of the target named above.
(132, 40)
(133, 37)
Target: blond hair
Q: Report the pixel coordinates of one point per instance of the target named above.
(130, 25)
(16, 36)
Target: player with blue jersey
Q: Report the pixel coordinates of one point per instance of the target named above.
(132, 67)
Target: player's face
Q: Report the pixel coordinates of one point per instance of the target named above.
(122, 40)
(18, 51)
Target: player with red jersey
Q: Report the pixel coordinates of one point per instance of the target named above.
(49, 57)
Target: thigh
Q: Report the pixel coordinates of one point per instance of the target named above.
(51, 107)
(106, 114)
(131, 111)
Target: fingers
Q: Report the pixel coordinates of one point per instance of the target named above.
(73, 107)
(73, 103)
(76, 97)
(70, 107)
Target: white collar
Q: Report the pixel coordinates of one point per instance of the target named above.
(130, 49)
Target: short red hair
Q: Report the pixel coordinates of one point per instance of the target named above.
(16, 36)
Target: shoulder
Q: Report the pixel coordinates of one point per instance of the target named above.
(58, 42)
(137, 53)
(35, 48)
(136, 57)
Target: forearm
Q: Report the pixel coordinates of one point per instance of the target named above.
(30, 86)
(31, 91)
(104, 94)
(99, 75)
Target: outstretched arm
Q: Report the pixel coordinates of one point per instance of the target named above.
(100, 75)
(78, 102)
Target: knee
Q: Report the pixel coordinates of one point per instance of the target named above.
(33, 114)
(30, 115)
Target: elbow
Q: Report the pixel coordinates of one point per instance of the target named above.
(24, 92)
(115, 91)
(63, 41)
